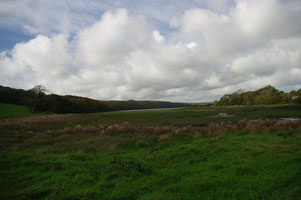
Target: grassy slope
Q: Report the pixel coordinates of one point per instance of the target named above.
(89, 166)
(13, 110)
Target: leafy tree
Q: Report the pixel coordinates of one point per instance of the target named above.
(39, 89)
(38, 103)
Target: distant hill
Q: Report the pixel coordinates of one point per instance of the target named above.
(40, 102)
(265, 95)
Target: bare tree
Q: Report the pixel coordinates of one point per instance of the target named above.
(39, 89)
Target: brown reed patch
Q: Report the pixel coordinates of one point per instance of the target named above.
(33, 123)
(196, 135)
(112, 147)
(251, 126)
(124, 128)
(165, 137)
(255, 126)
(37, 119)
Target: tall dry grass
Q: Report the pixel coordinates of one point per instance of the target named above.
(124, 128)
(255, 126)
(33, 123)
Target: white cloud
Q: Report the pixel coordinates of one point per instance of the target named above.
(122, 56)
(108, 41)
(192, 45)
(158, 37)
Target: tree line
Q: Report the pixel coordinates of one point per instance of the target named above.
(38, 101)
(266, 95)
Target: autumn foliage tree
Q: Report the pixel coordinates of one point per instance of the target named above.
(266, 95)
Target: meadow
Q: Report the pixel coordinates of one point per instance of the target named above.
(13, 110)
(192, 153)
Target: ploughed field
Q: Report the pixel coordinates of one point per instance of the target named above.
(193, 153)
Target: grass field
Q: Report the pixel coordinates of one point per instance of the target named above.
(13, 110)
(70, 157)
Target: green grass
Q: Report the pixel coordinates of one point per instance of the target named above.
(201, 116)
(138, 166)
(7, 110)
(226, 167)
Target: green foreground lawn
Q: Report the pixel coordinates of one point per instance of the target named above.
(139, 166)
(13, 110)
(233, 166)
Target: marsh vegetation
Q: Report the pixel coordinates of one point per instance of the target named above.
(162, 154)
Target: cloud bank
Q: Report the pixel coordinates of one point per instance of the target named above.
(207, 53)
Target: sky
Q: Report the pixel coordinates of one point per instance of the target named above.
(171, 50)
